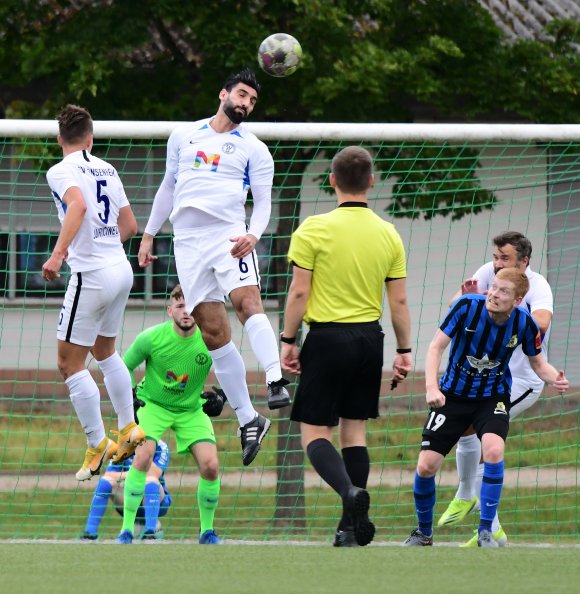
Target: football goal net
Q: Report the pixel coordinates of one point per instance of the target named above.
(449, 189)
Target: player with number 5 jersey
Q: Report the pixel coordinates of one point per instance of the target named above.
(211, 165)
(95, 218)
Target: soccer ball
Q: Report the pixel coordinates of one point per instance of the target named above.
(279, 55)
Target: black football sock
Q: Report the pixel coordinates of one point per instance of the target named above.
(329, 465)
(357, 464)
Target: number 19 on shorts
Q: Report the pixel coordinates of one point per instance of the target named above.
(435, 421)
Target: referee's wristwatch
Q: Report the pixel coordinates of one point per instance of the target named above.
(287, 339)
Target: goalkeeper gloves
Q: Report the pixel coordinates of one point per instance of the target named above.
(214, 402)
(137, 404)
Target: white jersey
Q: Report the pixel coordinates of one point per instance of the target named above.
(97, 243)
(539, 296)
(213, 171)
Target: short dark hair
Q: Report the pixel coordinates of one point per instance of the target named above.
(352, 168)
(520, 242)
(246, 76)
(74, 123)
(177, 293)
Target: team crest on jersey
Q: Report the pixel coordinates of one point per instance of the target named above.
(500, 409)
(228, 148)
(182, 379)
(201, 359)
(484, 363)
(513, 343)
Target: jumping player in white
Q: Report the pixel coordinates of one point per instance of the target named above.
(211, 165)
(511, 249)
(96, 218)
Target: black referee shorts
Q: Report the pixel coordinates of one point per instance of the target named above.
(341, 373)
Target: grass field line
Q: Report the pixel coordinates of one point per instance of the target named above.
(238, 542)
(560, 476)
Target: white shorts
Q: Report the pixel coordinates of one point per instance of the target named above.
(94, 304)
(206, 269)
(523, 395)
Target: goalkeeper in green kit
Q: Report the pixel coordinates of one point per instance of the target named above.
(177, 365)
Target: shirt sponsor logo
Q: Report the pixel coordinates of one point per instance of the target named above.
(182, 379)
(481, 364)
(211, 160)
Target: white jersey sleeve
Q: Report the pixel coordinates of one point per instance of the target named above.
(97, 243)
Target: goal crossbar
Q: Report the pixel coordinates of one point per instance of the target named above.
(321, 131)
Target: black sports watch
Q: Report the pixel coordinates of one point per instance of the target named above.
(287, 339)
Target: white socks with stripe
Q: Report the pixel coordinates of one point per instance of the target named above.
(230, 372)
(86, 399)
(265, 346)
(118, 383)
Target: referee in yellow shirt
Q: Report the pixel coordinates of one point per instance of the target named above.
(341, 262)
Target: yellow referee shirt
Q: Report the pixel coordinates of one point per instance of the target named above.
(351, 252)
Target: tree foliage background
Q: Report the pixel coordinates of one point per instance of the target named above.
(365, 60)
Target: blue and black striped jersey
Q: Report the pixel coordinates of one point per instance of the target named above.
(481, 349)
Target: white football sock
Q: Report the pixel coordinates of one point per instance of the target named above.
(264, 344)
(119, 387)
(230, 372)
(86, 399)
(468, 456)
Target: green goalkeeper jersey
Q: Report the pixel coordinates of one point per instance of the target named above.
(176, 367)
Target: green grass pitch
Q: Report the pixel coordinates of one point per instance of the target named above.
(283, 569)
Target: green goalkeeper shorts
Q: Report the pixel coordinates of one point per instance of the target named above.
(189, 427)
